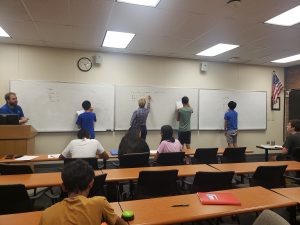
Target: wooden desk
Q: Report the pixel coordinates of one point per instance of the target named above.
(35, 180)
(267, 148)
(243, 168)
(133, 173)
(291, 193)
(161, 211)
(33, 218)
(188, 152)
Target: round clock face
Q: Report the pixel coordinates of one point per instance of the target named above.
(84, 64)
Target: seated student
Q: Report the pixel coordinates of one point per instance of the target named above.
(292, 141)
(86, 120)
(84, 147)
(168, 143)
(132, 142)
(78, 178)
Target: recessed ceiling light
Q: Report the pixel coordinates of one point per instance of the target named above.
(288, 18)
(3, 33)
(288, 59)
(151, 3)
(217, 49)
(114, 39)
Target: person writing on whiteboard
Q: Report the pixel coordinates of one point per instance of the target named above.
(184, 117)
(139, 116)
(86, 119)
(84, 147)
(231, 125)
(12, 107)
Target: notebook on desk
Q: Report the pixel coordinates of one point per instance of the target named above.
(212, 198)
(114, 151)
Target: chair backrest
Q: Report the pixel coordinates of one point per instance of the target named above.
(133, 160)
(269, 177)
(296, 154)
(205, 156)
(14, 199)
(268, 217)
(171, 158)
(234, 155)
(157, 183)
(8, 169)
(92, 161)
(212, 181)
(98, 186)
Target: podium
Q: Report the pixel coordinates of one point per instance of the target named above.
(17, 139)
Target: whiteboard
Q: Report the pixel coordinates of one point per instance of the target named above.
(163, 105)
(51, 106)
(251, 108)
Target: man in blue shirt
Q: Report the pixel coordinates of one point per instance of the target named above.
(12, 107)
(231, 125)
(86, 120)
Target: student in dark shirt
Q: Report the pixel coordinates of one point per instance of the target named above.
(86, 120)
(132, 142)
(292, 141)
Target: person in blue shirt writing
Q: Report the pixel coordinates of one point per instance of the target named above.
(86, 120)
(231, 125)
(12, 107)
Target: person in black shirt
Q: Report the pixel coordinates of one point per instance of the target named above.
(132, 142)
(292, 141)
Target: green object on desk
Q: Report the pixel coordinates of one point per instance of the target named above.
(128, 215)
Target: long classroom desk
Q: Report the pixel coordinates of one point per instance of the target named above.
(250, 167)
(292, 193)
(133, 173)
(33, 218)
(161, 211)
(54, 179)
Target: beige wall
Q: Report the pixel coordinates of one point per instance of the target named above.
(38, 63)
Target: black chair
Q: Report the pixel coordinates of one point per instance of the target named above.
(8, 169)
(212, 181)
(92, 161)
(98, 186)
(14, 199)
(234, 155)
(170, 159)
(157, 183)
(269, 177)
(134, 160)
(205, 156)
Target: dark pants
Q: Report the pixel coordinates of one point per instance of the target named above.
(143, 132)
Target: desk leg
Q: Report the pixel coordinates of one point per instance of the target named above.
(104, 163)
(266, 155)
(292, 211)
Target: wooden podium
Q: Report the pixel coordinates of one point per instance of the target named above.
(17, 139)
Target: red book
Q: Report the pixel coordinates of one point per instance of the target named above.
(213, 198)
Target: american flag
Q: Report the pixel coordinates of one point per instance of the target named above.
(276, 88)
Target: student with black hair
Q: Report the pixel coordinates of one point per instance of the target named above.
(132, 142)
(86, 120)
(168, 143)
(78, 178)
(84, 147)
(231, 125)
(184, 117)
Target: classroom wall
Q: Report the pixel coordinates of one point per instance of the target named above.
(41, 63)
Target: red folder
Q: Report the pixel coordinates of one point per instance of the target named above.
(213, 198)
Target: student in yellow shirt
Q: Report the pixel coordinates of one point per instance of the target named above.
(78, 179)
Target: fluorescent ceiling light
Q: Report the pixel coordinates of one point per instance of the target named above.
(3, 33)
(115, 39)
(152, 3)
(288, 18)
(288, 59)
(217, 49)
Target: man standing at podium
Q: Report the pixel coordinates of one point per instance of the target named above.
(12, 107)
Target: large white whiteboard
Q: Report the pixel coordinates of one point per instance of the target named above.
(163, 105)
(52, 106)
(251, 108)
